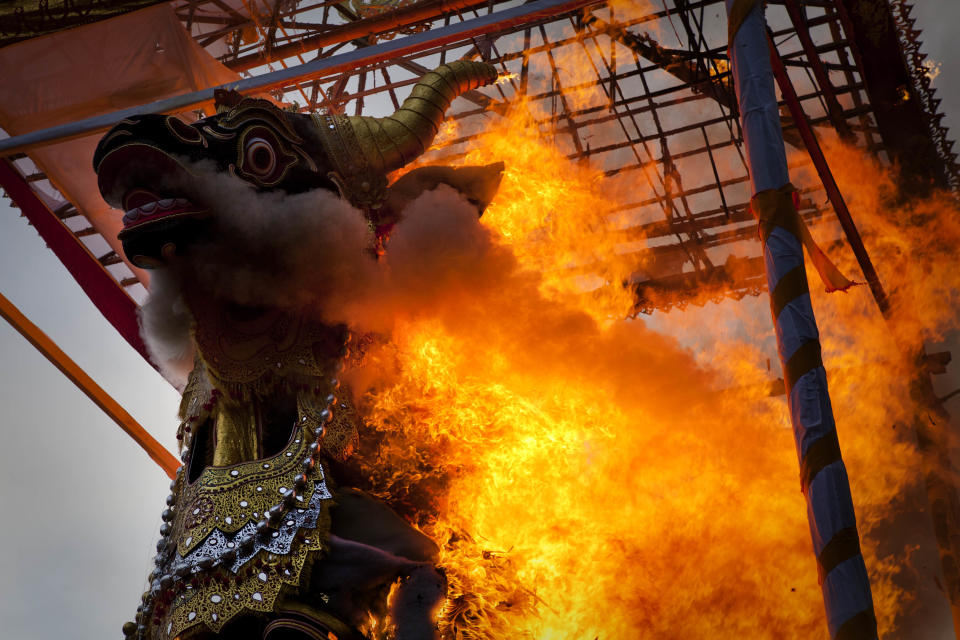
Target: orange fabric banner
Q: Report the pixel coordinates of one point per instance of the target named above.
(778, 207)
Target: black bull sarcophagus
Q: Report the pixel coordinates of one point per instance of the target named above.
(259, 540)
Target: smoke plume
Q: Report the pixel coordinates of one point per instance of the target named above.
(313, 253)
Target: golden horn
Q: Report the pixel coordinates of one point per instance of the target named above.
(390, 143)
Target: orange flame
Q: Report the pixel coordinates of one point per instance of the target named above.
(585, 474)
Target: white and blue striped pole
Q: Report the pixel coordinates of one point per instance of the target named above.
(833, 526)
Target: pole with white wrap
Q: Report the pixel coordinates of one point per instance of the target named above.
(836, 544)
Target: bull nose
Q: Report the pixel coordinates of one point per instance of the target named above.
(130, 167)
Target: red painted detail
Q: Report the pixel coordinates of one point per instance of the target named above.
(105, 292)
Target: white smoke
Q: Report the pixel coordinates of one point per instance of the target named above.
(437, 255)
(275, 249)
(165, 326)
(312, 253)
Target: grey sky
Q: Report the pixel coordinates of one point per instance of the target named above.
(80, 501)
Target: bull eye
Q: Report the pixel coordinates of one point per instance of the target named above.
(260, 158)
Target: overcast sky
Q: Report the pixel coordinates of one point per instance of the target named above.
(80, 501)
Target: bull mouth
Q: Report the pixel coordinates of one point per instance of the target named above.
(150, 185)
(145, 209)
(155, 190)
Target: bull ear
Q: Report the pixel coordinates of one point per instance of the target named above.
(478, 184)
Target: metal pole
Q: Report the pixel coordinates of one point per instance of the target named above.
(836, 544)
(325, 67)
(826, 177)
(395, 19)
(823, 79)
(91, 389)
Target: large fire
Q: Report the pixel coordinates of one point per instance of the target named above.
(592, 476)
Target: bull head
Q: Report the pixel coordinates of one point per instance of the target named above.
(146, 164)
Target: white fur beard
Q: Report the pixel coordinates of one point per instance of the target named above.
(165, 323)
